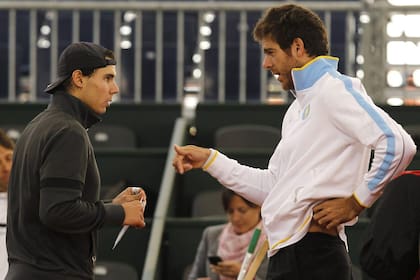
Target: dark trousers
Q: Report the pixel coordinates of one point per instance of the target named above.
(317, 256)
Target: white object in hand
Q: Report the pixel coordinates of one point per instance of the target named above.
(135, 190)
(249, 254)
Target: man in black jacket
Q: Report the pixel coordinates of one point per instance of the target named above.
(54, 212)
(391, 248)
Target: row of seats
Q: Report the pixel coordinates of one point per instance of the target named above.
(102, 136)
(119, 136)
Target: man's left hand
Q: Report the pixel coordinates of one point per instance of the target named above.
(130, 194)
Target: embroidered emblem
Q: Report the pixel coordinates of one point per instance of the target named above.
(306, 112)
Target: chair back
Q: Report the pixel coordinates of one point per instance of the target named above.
(112, 136)
(13, 130)
(111, 270)
(247, 136)
(208, 203)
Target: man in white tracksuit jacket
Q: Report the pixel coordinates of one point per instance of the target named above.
(317, 179)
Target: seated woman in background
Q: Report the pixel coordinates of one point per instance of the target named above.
(229, 241)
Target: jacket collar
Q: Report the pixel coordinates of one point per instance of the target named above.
(75, 107)
(306, 76)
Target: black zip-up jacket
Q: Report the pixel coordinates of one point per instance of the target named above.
(390, 249)
(54, 212)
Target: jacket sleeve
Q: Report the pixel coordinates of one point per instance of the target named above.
(62, 181)
(62, 209)
(360, 119)
(252, 183)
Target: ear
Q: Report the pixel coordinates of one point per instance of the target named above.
(298, 48)
(77, 78)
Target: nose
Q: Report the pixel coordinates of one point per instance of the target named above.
(235, 217)
(267, 64)
(115, 89)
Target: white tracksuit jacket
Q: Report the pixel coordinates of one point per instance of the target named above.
(327, 135)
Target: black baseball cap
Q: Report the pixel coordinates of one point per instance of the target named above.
(81, 55)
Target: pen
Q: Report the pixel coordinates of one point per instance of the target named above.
(123, 230)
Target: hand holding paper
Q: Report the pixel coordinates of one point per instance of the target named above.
(131, 209)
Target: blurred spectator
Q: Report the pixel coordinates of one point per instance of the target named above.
(229, 241)
(6, 155)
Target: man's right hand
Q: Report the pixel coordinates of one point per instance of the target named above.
(189, 157)
(134, 213)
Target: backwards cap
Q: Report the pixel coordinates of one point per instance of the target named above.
(81, 55)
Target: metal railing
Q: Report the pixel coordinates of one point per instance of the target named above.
(165, 193)
(164, 37)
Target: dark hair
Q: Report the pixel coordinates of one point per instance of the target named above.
(67, 82)
(6, 141)
(227, 196)
(288, 22)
